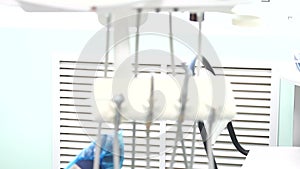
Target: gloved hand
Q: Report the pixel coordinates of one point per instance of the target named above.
(85, 159)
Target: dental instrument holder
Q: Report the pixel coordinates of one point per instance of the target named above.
(98, 147)
(118, 100)
(136, 71)
(211, 120)
(149, 120)
(108, 22)
(200, 17)
(98, 142)
(183, 101)
(172, 6)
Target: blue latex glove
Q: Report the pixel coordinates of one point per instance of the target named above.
(85, 159)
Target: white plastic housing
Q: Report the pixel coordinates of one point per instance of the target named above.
(166, 99)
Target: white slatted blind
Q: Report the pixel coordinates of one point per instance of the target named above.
(252, 91)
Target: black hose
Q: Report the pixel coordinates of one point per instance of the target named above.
(204, 138)
(235, 141)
